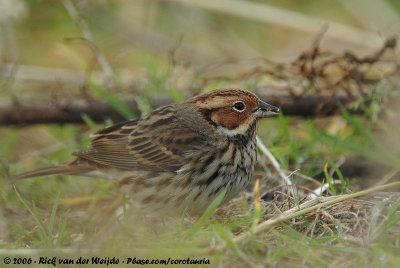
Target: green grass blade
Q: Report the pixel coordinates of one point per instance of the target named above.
(119, 106)
(206, 215)
(88, 121)
(338, 249)
(367, 134)
(39, 221)
(62, 225)
(360, 128)
(295, 234)
(99, 92)
(53, 215)
(369, 154)
(329, 179)
(375, 214)
(18, 229)
(227, 236)
(36, 217)
(338, 172)
(391, 218)
(176, 95)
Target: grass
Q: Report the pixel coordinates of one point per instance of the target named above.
(68, 217)
(65, 215)
(72, 221)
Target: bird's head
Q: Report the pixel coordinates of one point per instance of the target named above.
(233, 111)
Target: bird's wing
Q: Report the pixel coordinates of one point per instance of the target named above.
(158, 143)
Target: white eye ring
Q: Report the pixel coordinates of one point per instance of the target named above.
(238, 106)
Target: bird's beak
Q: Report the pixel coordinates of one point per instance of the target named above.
(264, 110)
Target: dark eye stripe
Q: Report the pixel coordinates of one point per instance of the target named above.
(206, 113)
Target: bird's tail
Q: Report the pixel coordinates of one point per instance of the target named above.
(67, 168)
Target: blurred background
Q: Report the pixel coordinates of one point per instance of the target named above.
(106, 61)
(68, 68)
(42, 45)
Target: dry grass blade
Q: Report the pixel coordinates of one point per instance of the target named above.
(307, 207)
(387, 177)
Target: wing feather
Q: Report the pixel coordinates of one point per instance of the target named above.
(156, 143)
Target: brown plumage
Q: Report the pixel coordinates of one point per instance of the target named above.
(180, 156)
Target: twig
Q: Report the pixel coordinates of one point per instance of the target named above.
(303, 177)
(273, 161)
(88, 35)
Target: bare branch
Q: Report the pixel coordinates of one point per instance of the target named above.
(43, 112)
(23, 114)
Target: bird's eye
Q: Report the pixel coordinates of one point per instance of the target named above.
(238, 106)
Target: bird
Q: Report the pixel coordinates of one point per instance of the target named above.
(178, 158)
